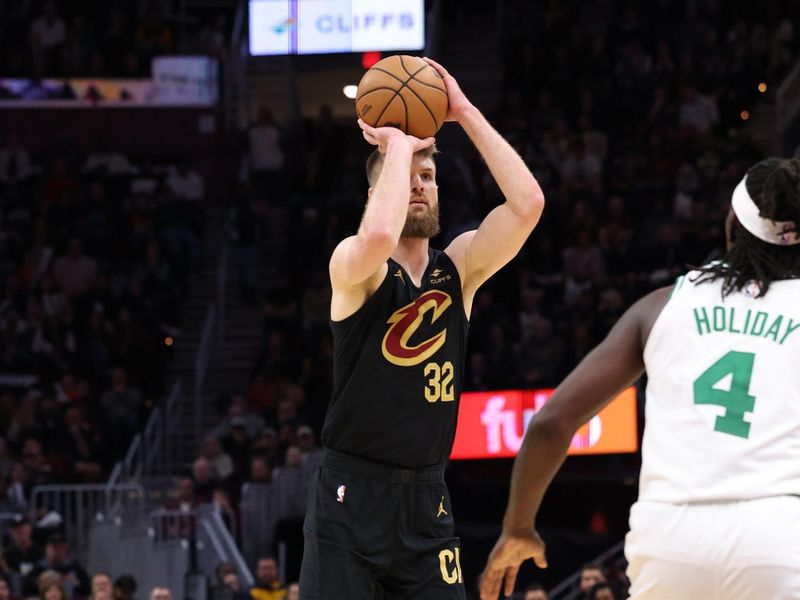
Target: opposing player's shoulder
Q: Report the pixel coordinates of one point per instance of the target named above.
(647, 309)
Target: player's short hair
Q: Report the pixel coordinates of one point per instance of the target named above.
(774, 186)
(375, 162)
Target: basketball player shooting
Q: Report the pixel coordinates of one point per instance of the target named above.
(379, 520)
(718, 513)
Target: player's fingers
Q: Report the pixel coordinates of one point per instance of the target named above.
(490, 584)
(427, 142)
(370, 138)
(436, 65)
(511, 579)
(540, 560)
(365, 127)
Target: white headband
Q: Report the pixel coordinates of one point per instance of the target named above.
(780, 233)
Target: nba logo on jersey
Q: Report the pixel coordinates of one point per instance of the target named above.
(752, 289)
(340, 493)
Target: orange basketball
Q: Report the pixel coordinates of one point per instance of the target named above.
(404, 92)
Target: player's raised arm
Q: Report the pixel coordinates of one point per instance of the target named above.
(605, 372)
(481, 253)
(359, 257)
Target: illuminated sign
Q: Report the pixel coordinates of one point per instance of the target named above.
(493, 424)
(325, 26)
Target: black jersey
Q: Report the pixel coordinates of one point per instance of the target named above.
(398, 367)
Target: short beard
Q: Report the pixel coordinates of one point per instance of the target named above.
(425, 225)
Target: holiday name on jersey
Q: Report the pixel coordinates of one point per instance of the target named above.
(757, 323)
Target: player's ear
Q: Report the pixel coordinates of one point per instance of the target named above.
(369, 192)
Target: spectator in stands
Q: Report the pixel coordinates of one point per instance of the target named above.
(535, 591)
(231, 582)
(15, 162)
(6, 460)
(22, 553)
(267, 445)
(73, 576)
(243, 235)
(307, 443)
(591, 574)
(293, 460)
(78, 47)
(74, 272)
(105, 161)
(260, 470)
(153, 36)
(203, 480)
(83, 445)
(265, 156)
(47, 35)
(124, 587)
(698, 112)
(102, 588)
(601, 591)
(50, 589)
(268, 586)
(34, 462)
(182, 497)
(220, 460)
(239, 415)
(122, 408)
(292, 591)
(5, 589)
(8, 503)
(60, 185)
(160, 593)
(186, 184)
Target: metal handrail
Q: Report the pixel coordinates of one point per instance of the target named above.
(214, 521)
(222, 284)
(238, 25)
(80, 505)
(201, 369)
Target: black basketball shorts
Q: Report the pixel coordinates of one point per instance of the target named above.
(373, 531)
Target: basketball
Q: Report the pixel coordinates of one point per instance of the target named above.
(404, 92)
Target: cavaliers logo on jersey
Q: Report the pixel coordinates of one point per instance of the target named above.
(405, 321)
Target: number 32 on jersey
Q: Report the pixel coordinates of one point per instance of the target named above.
(439, 385)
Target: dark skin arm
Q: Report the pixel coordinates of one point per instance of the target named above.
(615, 364)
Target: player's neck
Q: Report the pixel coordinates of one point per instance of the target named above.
(412, 254)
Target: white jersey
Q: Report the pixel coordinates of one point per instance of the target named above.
(723, 395)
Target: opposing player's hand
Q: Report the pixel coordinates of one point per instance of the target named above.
(458, 102)
(510, 551)
(381, 136)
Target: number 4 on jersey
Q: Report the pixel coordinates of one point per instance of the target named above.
(737, 400)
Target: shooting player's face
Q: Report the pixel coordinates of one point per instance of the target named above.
(423, 204)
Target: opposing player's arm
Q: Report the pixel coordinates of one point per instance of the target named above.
(606, 371)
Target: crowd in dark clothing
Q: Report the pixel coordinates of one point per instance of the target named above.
(109, 39)
(95, 254)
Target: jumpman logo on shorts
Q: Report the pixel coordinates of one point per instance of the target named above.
(441, 510)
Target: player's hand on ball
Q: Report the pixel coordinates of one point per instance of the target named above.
(458, 101)
(381, 136)
(510, 551)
